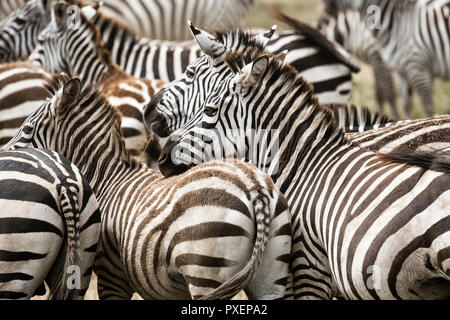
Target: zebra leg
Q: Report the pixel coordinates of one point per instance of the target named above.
(406, 94)
(111, 280)
(384, 85)
(423, 82)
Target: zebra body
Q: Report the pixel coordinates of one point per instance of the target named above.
(167, 238)
(409, 135)
(49, 225)
(355, 214)
(350, 30)
(166, 20)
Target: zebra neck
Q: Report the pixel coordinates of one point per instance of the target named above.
(92, 62)
(288, 136)
(97, 146)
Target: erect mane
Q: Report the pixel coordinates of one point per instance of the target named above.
(104, 53)
(109, 19)
(238, 39)
(349, 118)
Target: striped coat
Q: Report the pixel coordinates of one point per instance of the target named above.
(365, 226)
(202, 234)
(49, 226)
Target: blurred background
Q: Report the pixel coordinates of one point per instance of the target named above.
(363, 90)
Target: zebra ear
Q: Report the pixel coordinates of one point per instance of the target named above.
(208, 43)
(266, 37)
(59, 13)
(70, 94)
(253, 73)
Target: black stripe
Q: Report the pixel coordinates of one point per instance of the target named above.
(20, 256)
(23, 225)
(6, 277)
(12, 295)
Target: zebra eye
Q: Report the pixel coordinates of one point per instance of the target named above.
(27, 130)
(189, 73)
(20, 21)
(210, 112)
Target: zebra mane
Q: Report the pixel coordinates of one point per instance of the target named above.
(436, 160)
(351, 120)
(92, 95)
(287, 77)
(109, 19)
(96, 35)
(238, 39)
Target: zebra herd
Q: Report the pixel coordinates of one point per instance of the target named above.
(195, 169)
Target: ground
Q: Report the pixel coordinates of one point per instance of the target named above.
(363, 92)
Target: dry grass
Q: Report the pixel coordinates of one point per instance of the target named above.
(363, 92)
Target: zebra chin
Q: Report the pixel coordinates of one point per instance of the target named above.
(166, 164)
(155, 120)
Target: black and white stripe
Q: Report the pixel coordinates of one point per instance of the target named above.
(326, 67)
(49, 226)
(80, 52)
(22, 90)
(365, 226)
(415, 41)
(166, 19)
(202, 235)
(350, 30)
(182, 98)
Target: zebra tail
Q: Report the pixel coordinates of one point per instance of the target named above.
(239, 281)
(69, 257)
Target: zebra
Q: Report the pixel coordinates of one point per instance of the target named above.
(201, 235)
(49, 226)
(326, 67)
(165, 19)
(182, 100)
(162, 118)
(349, 30)
(366, 226)
(79, 52)
(421, 53)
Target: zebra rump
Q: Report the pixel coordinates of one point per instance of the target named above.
(49, 226)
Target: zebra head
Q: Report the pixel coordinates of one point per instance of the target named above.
(71, 43)
(181, 101)
(38, 130)
(224, 128)
(19, 31)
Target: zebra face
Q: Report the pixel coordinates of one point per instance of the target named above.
(20, 30)
(182, 100)
(222, 130)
